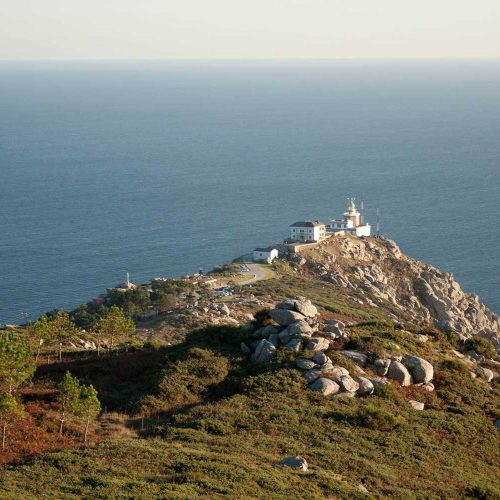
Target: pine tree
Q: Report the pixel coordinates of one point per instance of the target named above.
(61, 329)
(114, 324)
(11, 411)
(89, 406)
(16, 365)
(40, 334)
(69, 393)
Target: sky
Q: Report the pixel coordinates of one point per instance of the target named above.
(249, 29)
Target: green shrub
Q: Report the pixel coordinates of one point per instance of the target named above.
(188, 381)
(388, 391)
(285, 356)
(224, 339)
(338, 359)
(454, 365)
(282, 381)
(379, 342)
(377, 419)
(152, 345)
(481, 346)
(370, 344)
(434, 333)
(483, 493)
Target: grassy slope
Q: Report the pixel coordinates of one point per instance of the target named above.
(230, 422)
(226, 423)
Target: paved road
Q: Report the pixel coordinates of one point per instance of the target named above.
(255, 271)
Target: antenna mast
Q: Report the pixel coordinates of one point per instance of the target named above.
(378, 222)
(362, 210)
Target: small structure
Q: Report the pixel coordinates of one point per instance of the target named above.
(266, 254)
(307, 231)
(352, 222)
(123, 287)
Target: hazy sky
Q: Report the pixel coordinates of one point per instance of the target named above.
(248, 29)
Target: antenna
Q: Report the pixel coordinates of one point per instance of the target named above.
(362, 210)
(378, 221)
(128, 280)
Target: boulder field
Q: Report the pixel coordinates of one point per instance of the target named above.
(296, 325)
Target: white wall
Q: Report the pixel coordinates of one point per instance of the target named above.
(273, 254)
(363, 230)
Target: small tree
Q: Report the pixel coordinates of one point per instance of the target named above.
(69, 393)
(16, 365)
(11, 411)
(165, 301)
(89, 406)
(40, 334)
(114, 323)
(61, 329)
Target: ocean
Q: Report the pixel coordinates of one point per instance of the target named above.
(163, 168)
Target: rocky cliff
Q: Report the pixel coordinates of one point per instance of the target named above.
(381, 274)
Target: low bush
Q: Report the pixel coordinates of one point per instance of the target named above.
(483, 493)
(338, 359)
(188, 381)
(377, 419)
(454, 365)
(285, 356)
(282, 381)
(482, 346)
(388, 391)
(374, 346)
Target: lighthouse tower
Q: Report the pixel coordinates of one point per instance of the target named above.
(352, 213)
(352, 222)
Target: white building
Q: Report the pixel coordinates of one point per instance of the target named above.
(267, 254)
(307, 231)
(352, 222)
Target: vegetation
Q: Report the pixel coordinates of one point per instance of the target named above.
(377, 419)
(225, 424)
(482, 346)
(56, 330)
(77, 400)
(114, 324)
(198, 419)
(86, 315)
(16, 366)
(11, 411)
(88, 406)
(69, 393)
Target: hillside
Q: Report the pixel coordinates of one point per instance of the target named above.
(381, 375)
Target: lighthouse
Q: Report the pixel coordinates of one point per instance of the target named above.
(352, 213)
(351, 222)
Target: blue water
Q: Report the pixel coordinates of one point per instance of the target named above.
(163, 168)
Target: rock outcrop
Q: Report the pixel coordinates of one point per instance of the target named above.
(325, 386)
(296, 462)
(420, 369)
(399, 373)
(296, 325)
(264, 352)
(319, 371)
(379, 270)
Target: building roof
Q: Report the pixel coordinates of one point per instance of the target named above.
(307, 223)
(264, 249)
